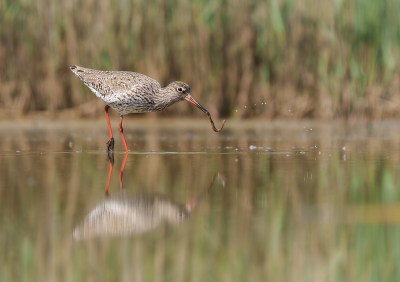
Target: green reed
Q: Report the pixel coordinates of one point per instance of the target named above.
(317, 59)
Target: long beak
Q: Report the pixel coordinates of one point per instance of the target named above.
(194, 102)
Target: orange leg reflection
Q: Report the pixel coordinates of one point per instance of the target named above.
(121, 171)
(110, 161)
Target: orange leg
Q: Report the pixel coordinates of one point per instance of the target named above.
(121, 131)
(121, 171)
(110, 160)
(110, 142)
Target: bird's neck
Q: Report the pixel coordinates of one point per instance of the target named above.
(163, 99)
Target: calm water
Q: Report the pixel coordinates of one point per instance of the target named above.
(256, 202)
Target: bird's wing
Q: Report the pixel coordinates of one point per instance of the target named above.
(106, 82)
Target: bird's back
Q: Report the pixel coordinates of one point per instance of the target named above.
(126, 92)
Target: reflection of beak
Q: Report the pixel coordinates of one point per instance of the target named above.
(194, 102)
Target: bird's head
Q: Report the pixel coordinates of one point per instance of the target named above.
(181, 91)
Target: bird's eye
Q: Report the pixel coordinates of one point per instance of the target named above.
(179, 89)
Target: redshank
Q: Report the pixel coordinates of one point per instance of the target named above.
(131, 92)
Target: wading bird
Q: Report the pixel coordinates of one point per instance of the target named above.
(131, 92)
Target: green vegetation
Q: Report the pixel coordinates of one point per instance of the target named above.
(318, 59)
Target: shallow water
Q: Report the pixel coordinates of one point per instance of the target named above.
(283, 202)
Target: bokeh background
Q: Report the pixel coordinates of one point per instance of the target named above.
(254, 58)
(303, 201)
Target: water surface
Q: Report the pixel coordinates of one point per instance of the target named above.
(280, 202)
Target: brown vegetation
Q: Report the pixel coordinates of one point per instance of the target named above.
(279, 58)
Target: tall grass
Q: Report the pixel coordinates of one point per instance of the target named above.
(318, 59)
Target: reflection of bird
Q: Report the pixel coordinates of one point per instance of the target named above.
(131, 92)
(129, 214)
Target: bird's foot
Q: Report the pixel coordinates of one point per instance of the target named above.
(110, 144)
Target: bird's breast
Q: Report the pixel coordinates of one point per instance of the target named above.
(130, 102)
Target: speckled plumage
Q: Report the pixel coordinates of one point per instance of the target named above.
(131, 92)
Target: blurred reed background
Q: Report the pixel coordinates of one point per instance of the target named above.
(318, 59)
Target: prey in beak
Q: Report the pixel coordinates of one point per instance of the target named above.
(190, 99)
